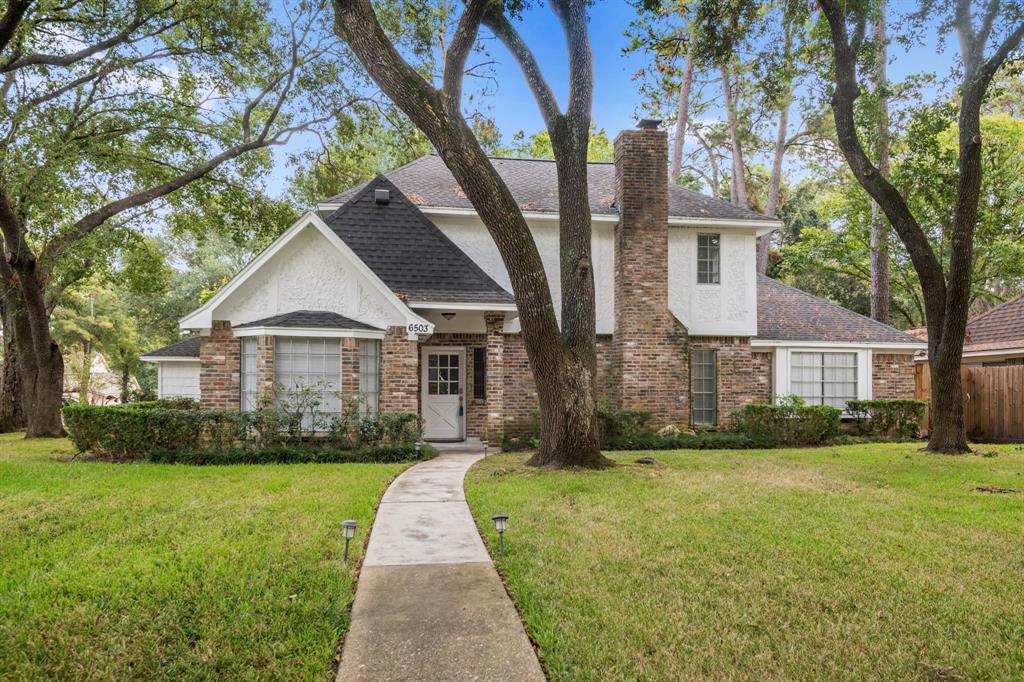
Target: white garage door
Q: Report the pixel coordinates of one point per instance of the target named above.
(179, 380)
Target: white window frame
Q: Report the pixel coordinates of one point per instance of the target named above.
(247, 380)
(331, 405)
(714, 386)
(782, 363)
(716, 271)
(371, 402)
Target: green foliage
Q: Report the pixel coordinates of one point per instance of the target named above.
(899, 419)
(162, 429)
(614, 423)
(537, 145)
(789, 422)
(682, 441)
(294, 455)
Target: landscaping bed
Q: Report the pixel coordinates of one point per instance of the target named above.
(150, 571)
(855, 562)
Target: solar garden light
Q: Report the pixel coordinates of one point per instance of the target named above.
(419, 444)
(484, 443)
(348, 528)
(500, 523)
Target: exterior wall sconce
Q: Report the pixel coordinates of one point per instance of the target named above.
(500, 523)
(348, 529)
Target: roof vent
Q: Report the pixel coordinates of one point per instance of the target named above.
(649, 124)
(382, 196)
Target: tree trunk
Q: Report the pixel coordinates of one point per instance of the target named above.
(739, 180)
(879, 225)
(12, 412)
(775, 182)
(562, 360)
(682, 115)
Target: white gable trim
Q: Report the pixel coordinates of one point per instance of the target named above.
(315, 332)
(202, 318)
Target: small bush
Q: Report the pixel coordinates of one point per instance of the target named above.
(790, 422)
(682, 441)
(292, 455)
(899, 419)
(614, 423)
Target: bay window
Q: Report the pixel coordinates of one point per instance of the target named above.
(308, 370)
(248, 374)
(369, 375)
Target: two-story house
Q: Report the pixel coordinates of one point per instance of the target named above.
(395, 290)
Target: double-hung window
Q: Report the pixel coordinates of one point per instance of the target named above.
(709, 266)
(369, 375)
(824, 378)
(308, 370)
(705, 387)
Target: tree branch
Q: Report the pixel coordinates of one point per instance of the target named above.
(458, 52)
(11, 19)
(499, 24)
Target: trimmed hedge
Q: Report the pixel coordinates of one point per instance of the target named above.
(132, 431)
(684, 441)
(280, 455)
(790, 422)
(898, 419)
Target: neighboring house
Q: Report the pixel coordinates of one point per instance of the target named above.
(104, 384)
(395, 289)
(995, 338)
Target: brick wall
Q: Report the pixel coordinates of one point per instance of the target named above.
(220, 369)
(892, 375)
(763, 379)
(349, 367)
(264, 366)
(734, 371)
(649, 345)
(399, 372)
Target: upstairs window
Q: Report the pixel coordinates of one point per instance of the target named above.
(708, 259)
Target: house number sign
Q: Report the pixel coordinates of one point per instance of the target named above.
(418, 328)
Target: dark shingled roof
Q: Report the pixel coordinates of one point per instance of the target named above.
(428, 182)
(1002, 325)
(187, 348)
(788, 314)
(408, 252)
(320, 319)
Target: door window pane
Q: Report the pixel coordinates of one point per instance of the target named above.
(443, 374)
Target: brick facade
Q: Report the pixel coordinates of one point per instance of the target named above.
(649, 345)
(399, 372)
(220, 369)
(892, 376)
(264, 366)
(763, 380)
(349, 380)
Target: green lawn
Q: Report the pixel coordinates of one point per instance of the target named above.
(856, 562)
(144, 571)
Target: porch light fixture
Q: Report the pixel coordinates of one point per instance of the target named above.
(500, 523)
(447, 316)
(348, 529)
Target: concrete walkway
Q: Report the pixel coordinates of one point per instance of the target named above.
(429, 604)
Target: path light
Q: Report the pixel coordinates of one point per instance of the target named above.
(348, 528)
(500, 523)
(419, 444)
(484, 443)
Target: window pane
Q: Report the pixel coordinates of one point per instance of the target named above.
(708, 259)
(705, 398)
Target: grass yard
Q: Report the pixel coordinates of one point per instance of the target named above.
(856, 562)
(144, 571)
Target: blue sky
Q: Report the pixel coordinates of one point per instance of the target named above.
(616, 97)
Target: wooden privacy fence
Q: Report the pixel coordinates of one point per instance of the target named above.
(993, 401)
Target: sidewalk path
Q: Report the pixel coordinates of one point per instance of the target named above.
(429, 604)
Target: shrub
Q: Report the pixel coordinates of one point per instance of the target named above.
(898, 419)
(790, 422)
(292, 455)
(682, 441)
(615, 423)
(128, 431)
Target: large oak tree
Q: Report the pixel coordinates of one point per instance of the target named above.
(562, 352)
(986, 42)
(110, 109)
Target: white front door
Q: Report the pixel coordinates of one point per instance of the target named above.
(443, 385)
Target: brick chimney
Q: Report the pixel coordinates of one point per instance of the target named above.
(649, 348)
